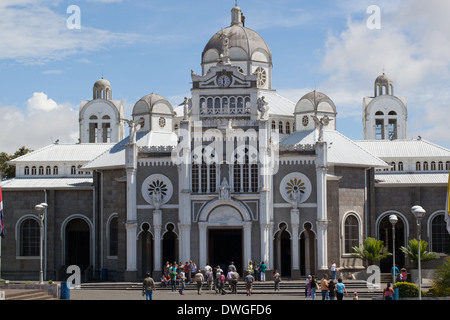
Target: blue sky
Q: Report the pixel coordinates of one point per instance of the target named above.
(144, 46)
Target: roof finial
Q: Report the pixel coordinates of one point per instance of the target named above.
(235, 2)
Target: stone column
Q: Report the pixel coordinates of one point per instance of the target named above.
(203, 227)
(321, 222)
(131, 222)
(157, 226)
(295, 272)
(247, 242)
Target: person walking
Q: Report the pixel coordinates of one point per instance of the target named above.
(331, 290)
(249, 279)
(182, 277)
(262, 269)
(193, 271)
(148, 286)
(276, 280)
(324, 287)
(340, 289)
(256, 270)
(187, 271)
(388, 292)
(198, 278)
(222, 284)
(173, 279)
(234, 281)
(313, 286)
(308, 287)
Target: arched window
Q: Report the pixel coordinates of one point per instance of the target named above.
(29, 238)
(55, 170)
(274, 125)
(400, 166)
(113, 237)
(73, 170)
(27, 170)
(392, 166)
(33, 171)
(288, 128)
(41, 170)
(433, 165)
(425, 166)
(417, 166)
(48, 170)
(280, 127)
(440, 165)
(351, 233)
(440, 238)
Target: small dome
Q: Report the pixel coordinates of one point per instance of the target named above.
(102, 89)
(315, 101)
(152, 103)
(102, 83)
(383, 85)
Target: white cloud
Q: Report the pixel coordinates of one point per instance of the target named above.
(412, 47)
(39, 124)
(32, 32)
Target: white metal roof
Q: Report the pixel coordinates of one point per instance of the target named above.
(341, 150)
(50, 183)
(64, 153)
(114, 157)
(416, 148)
(385, 179)
(278, 105)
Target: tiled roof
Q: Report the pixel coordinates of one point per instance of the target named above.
(383, 179)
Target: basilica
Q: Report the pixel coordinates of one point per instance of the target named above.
(235, 172)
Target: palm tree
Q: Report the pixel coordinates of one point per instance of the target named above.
(373, 250)
(411, 251)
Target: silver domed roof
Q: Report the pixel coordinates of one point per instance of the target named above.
(315, 101)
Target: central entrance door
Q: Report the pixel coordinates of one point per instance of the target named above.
(225, 245)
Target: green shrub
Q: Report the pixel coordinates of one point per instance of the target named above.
(407, 290)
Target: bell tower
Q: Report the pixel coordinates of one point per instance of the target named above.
(384, 115)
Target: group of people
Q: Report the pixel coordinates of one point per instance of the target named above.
(329, 289)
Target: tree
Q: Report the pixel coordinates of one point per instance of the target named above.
(372, 250)
(441, 281)
(8, 171)
(411, 251)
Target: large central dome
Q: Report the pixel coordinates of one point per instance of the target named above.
(241, 47)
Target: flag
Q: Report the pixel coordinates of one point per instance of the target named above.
(447, 206)
(2, 225)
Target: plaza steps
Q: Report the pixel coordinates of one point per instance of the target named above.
(294, 287)
(25, 294)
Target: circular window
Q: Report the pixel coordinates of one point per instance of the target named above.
(305, 121)
(157, 186)
(295, 185)
(162, 122)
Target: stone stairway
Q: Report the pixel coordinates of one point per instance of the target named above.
(294, 287)
(25, 294)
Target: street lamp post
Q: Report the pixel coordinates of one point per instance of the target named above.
(393, 220)
(419, 213)
(40, 208)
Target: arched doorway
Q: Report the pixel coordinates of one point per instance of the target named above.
(385, 235)
(146, 250)
(282, 251)
(77, 241)
(170, 244)
(307, 250)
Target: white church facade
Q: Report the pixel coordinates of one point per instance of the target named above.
(236, 172)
